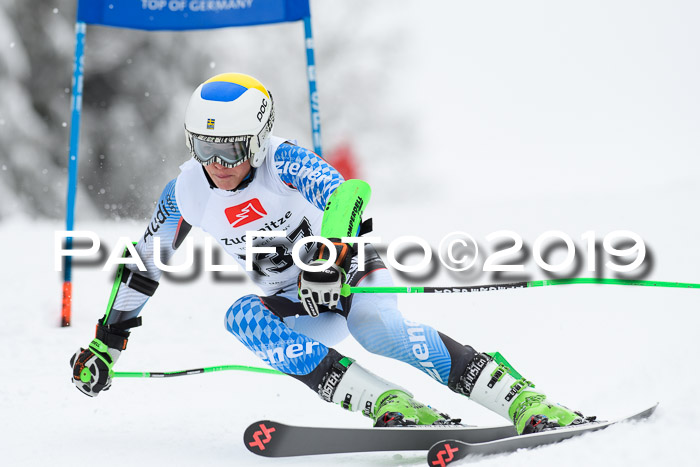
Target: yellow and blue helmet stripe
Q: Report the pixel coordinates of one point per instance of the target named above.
(228, 87)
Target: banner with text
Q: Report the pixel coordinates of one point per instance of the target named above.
(189, 14)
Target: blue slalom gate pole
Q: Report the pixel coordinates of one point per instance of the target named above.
(313, 94)
(76, 106)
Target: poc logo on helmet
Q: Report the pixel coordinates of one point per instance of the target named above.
(263, 108)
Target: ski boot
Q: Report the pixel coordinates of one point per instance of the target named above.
(496, 386)
(398, 408)
(354, 388)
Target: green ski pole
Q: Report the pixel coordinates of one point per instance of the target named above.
(196, 371)
(347, 289)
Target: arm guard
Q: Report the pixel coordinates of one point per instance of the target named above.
(343, 212)
(132, 280)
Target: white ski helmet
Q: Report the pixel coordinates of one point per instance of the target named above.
(229, 120)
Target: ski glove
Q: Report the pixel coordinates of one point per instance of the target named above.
(323, 287)
(92, 366)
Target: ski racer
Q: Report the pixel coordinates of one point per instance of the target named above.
(241, 178)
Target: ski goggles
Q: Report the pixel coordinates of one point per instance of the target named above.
(226, 151)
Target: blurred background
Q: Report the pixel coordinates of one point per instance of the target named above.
(483, 101)
(137, 85)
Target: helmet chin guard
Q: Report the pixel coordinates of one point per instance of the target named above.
(258, 157)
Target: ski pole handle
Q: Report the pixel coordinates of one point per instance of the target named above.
(196, 371)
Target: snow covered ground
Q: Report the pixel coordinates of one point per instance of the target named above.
(606, 350)
(530, 116)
